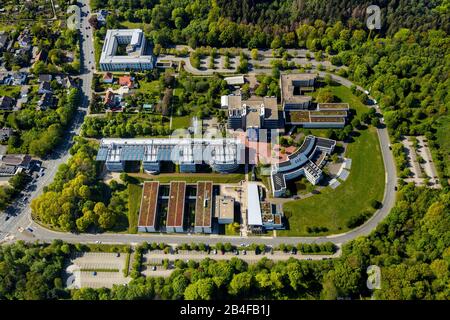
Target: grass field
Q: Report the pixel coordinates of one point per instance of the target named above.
(134, 203)
(10, 91)
(182, 122)
(191, 177)
(333, 208)
(344, 94)
(149, 87)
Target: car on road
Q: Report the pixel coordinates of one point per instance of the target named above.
(7, 218)
(97, 241)
(390, 147)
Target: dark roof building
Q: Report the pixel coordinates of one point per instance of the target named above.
(6, 103)
(203, 207)
(149, 204)
(175, 211)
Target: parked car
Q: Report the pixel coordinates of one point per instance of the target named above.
(29, 229)
(118, 254)
(153, 268)
(94, 273)
(244, 252)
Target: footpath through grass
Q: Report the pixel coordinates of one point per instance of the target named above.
(333, 208)
(134, 203)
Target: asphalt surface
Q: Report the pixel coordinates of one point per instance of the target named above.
(23, 219)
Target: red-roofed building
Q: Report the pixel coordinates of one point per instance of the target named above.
(109, 98)
(126, 81)
(108, 77)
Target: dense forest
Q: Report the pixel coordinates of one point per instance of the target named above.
(411, 247)
(257, 22)
(77, 201)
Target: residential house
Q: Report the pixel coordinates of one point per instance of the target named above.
(4, 78)
(109, 99)
(18, 160)
(19, 78)
(45, 78)
(40, 56)
(4, 40)
(24, 38)
(45, 87)
(6, 103)
(45, 102)
(108, 77)
(69, 83)
(7, 170)
(126, 81)
(5, 133)
(101, 16)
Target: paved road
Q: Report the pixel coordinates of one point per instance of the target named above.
(24, 217)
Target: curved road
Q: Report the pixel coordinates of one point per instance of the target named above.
(9, 229)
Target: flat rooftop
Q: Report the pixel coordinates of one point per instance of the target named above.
(288, 83)
(224, 207)
(188, 150)
(203, 206)
(253, 205)
(333, 106)
(175, 211)
(149, 202)
(135, 40)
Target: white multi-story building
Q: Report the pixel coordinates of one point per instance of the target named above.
(136, 57)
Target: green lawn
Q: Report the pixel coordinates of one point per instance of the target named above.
(182, 122)
(191, 177)
(10, 91)
(332, 208)
(134, 203)
(345, 95)
(149, 87)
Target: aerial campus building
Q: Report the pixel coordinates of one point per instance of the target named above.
(223, 155)
(154, 218)
(298, 109)
(306, 160)
(256, 112)
(135, 56)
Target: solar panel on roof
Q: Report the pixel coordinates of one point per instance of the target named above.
(132, 153)
(102, 154)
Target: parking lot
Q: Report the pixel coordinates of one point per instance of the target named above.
(90, 270)
(153, 260)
